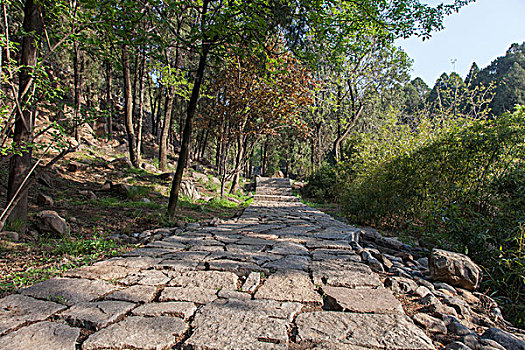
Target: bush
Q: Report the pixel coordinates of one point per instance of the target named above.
(454, 183)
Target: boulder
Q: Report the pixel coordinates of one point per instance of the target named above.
(455, 269)
(507, 340)
(188, 189)
(49, 221)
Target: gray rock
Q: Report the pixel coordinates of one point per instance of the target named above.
(454, 268)
(289, 286)
(507, 340)
(48, 221)
(18, 310)
(457, 346)
(252, 324)
(96, 315)
(350, 275)
(422, 291)
(206, 279)
(135, 294)
(42, 335)
(69, 291)
(459, 329)
(360, 331)
(486, 343)
(189, 190)
(194, 294)
(364, 300)
(252, 282)
(431, 324)
(180, 309)
(136, 332)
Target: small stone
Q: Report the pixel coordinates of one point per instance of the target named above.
(44, 200)
(180, 309)
(505, 339)
(422, 291)
(49, 221)
(252, 282)
(457, 346)
(494, 345)
(431, 324)
(458, 329)
(96, 315)
(375, 265)
(136, 332)
(11, 235)
(471, 340)
(42, 335)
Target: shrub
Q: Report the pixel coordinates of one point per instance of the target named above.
(454, 183)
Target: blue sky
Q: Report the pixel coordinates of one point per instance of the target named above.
(480, 32)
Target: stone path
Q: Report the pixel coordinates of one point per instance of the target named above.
(282, 276)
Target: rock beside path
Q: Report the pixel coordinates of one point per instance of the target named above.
(454, 268)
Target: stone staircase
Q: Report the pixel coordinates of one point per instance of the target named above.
(274, 190)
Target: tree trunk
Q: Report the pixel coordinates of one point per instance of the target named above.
(238, 164)
(109, 101)
(141, 107)
(166, 125)
(78, 70)
(20, 164)
(188, 127)
(264, 169)
(128, 102)
(339, 140)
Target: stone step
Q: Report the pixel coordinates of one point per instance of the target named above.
(274, 191)
(273, 198)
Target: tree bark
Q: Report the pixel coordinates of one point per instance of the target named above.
(166, 125)
(190, 114)
(20, 164)
(128, 102)
(339, 140)
(238, 164)
(78, 70)
(140, 107)
(109, 101)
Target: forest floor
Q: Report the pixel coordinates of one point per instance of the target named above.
(94, 212)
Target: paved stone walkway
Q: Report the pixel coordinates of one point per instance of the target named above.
(282, 276)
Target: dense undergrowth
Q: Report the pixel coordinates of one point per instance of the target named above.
(445, 182)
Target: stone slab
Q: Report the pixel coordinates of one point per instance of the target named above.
(364, 300)
(206, 279)
(289, 286)
(180, 309)
(42, 335)
(349, 274)
(135, 294)
(17, 310)
(375, 331)
(194, 294)
(136, 332)
(147, 277)
(252, 324)
(69, 290)
(96, 315)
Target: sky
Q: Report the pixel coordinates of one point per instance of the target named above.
(480, 32)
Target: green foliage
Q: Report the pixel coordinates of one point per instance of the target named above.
(453, 183)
